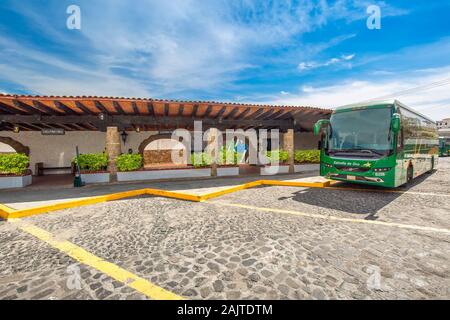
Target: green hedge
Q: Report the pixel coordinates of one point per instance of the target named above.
(307, 156)
(92, 161)
(129, 162)
(280, 156)
(14, 163)
(227, 157)
(200, 159)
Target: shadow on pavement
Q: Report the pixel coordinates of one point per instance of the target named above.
(353, 201)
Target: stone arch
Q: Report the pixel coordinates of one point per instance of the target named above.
(161, 154)
(16, 145)
(150, 139)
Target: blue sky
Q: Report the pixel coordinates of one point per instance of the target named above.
(315, 53)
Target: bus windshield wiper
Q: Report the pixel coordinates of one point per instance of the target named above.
(370, 151)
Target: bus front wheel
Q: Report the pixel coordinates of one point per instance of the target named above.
(409, 174)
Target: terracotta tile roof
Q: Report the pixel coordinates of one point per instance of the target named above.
(164, 110)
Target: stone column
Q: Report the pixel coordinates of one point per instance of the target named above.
(113, 150)
(288, 145)
(213, 146)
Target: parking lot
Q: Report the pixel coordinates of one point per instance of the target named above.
(270, 242)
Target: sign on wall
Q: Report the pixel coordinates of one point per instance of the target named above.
(53, 132)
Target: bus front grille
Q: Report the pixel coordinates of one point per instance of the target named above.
(352, 169)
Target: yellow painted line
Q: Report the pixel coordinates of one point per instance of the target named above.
(334, 218)
(79, 254)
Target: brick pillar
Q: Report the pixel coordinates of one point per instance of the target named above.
(288, 145)
(213, 141)
(113, 150)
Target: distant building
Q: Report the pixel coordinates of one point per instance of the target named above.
(444, 123)
(444, 127)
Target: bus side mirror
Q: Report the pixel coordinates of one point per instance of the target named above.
(396, 123)
(319, 125)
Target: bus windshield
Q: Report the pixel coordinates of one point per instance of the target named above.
(364, 132)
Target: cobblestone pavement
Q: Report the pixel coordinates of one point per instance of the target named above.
(210, 250)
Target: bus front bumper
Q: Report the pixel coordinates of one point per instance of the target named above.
(346, 177)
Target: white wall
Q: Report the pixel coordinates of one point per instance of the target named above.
(5, 148)
(58, 151)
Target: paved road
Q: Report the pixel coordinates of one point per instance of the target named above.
(263, 243)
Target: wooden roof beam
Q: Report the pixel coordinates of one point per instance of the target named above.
(101, 107)
(220, 113)
(43, 108)
(255, 115)
(181, 110)
(232, 114)
(194, 111)
(61, 106)
(266, 114)
(128, 120)
(118, 108)
(23, 108)
(243, 114)
(208, 111)
(150, 109)
(5, 108)
(135, 108)
(81, 106)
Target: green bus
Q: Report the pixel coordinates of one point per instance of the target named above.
(382, 143)
(444, 146)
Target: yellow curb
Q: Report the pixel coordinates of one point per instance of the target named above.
(79, 254)
(9, 213)
(74, 203)
(216, 194)
(5, 211)
(173, 194)
(296, 183)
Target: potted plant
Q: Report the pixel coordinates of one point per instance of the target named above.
(306, 160)
(14, 171)
(93, 167)
(130, 168)
(278, 163)
(227, 163)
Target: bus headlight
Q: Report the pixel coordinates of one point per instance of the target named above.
(381, 169)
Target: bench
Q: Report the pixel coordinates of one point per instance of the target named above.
(39, 168)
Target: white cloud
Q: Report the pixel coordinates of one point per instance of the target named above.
(343, 61)
(434, 102)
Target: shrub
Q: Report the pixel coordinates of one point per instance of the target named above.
(129, 162)
(200, 159)
(92, 161)
(227, 157)
(280, 156)
(307, 156)
(14, 163)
